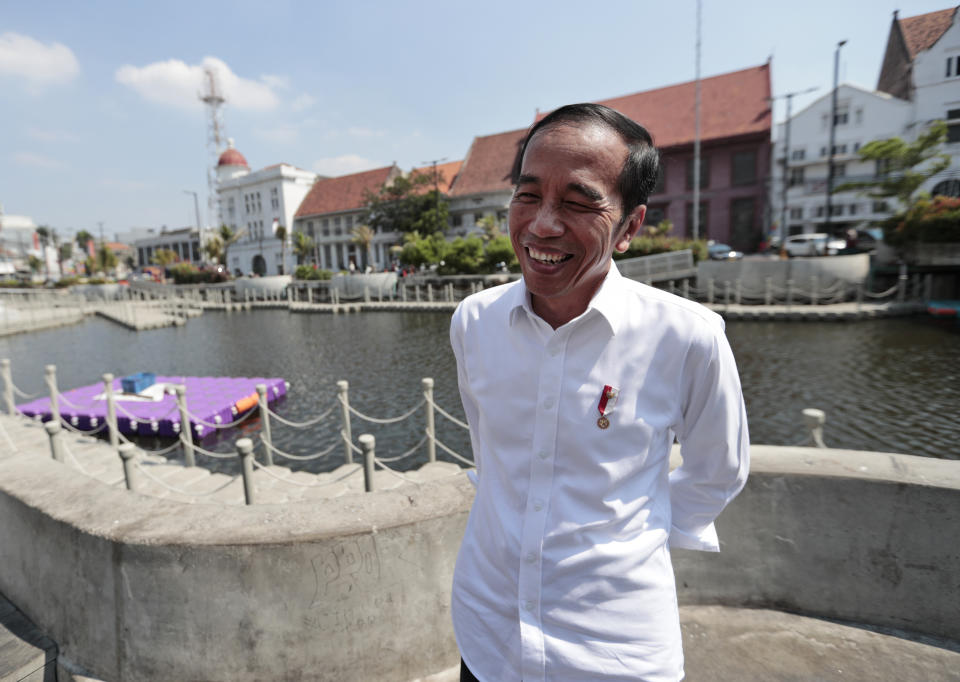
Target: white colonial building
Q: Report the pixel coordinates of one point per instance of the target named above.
(862, 116)
(251, 203)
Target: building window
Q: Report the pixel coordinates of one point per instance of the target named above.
(836, 210)
(953, 67)
(947, 188)
(796, 213)
(195, 246)
(274, 199)
(823, 151)
(326, 227)
(839, 170)
(858, 116)
(704, 172)
(852, 209)
(349, 221)
(742, 217)
(953, 121)
(655, 214)
(839, 149)
(246, 203)
(796, 177)
(457, 219)
(310, 229)
(259, 205)
(825, 121)
(798, 154)
(882, 167)
(856, 147)
(230, 208)
(744, 168)
(336, 225)
(842, 117)
(820, 211)
(880, 207)
(661, 185)
(702, 232)
(477, 217)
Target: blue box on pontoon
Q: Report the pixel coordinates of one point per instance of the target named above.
(137, 382)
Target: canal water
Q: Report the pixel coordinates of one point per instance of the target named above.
(886, 385)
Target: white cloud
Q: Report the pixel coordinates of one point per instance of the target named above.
(37, 161)
(364, 132)
(52, 135)
(179, 84)
(284, 134)
(343, 165)
(275, 82)
(40, 65)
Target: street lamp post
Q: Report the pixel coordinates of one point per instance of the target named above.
(196, 208)
(781, 232)
(833, 132)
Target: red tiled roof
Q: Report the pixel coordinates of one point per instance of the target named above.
(922, 31)
(732, 104)
(231, 157)
(343, 193)
(488, 163)
(447, 172)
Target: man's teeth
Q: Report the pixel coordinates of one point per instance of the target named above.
(548, 257)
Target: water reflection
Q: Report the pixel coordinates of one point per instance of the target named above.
(887, 385)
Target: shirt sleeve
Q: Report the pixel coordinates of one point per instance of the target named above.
(714, 443)
(470, 408)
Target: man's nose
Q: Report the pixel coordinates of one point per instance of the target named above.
(546, 222)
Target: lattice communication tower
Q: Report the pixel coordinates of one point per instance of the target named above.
(212, 97)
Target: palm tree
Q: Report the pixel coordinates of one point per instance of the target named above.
(214, 249)
(164, 257)
(302, 246)
(228, 237)
(363, 235)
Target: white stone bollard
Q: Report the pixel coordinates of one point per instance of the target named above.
(111, 410)
(245, 451)
(51, 379)
(56, 447)
(368, 443)
(427, 384)
(185, 436)
(128, 453)
(266, 436)
(7, 386)
(343, 394)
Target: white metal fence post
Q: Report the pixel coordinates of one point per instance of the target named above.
(128, 453)
(427, 384)
(245, 450)
(267, 435)
(51, 379)
(56, 447)
(7, 386)
(111, 410)
(185, 436)
(343, 393)
(368, 443)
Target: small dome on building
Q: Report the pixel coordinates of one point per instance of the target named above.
(231, 157)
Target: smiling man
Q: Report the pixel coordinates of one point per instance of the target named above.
(575, 382)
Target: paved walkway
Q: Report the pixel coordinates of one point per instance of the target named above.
(158, 477)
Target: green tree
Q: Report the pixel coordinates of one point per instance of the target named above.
(500, 250)
(83, 238)
(34, 264)
(64, 253)
(302, 246)
(408, 204)
(214, 249)
(164, 257)
(904, 166)
(490, 226)
(464, 256)
(228, 237)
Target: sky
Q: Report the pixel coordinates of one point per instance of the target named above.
(101, 120)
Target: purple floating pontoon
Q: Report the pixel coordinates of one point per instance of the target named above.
(210, 401)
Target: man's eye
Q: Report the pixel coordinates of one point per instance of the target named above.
(525, 196)
(577, 206)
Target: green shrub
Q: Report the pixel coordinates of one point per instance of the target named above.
(934, 220)
(650, 245)
(307, 272)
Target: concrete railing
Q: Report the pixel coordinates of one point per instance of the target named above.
(358, 589)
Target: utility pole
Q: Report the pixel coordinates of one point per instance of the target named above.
(696, 138)
(436, 185)
(833, 132)
(196, 208)
(782, 231)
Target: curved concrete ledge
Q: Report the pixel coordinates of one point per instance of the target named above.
(357, 588)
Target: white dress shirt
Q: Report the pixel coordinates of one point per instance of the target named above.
(564, 573)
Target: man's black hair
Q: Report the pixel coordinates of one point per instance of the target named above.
(638, 176)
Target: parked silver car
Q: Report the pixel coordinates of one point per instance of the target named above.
(813, 244)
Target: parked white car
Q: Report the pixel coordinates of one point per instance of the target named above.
(813, 244)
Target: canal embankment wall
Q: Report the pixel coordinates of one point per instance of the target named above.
(357, 588)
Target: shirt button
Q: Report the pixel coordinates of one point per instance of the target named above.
(548, 404)
(537, 505)
(531, 557)
(543, 454)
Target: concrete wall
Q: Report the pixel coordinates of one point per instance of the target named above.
(136, 588)
(133, 588)
(857, 536)
(852, 269)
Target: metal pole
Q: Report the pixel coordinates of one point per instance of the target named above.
(111, 410)
(368, 443)
(833, 133)
(186, 437)
(696, 137)
(128, 453)
(7, 386)
(266, 436)
(51, 378)
(343, 393)
(245, 450)
(56, 447)
(902, 283)
(427, 384)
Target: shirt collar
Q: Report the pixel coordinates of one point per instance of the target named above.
(608, 301)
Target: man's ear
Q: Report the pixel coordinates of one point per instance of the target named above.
(630, 227)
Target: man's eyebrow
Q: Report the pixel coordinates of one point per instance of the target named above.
(589, 192)
(527, 179)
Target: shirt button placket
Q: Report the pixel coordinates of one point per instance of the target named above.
(541, 482)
